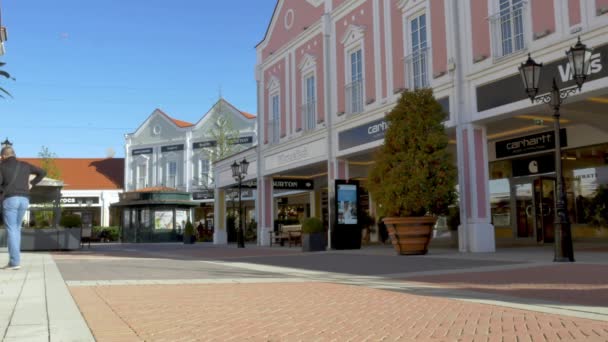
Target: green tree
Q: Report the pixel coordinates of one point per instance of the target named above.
(225, 136)
(4, 74)
(48, 164)
(413, 174)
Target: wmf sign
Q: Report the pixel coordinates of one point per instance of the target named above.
(510, 90)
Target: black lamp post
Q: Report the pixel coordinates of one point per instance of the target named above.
(579, 57)
(239, 171)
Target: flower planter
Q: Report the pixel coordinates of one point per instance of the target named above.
(45, 239)
(410, 235)
(313, 242)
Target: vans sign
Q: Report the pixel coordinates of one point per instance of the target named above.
(511, 89)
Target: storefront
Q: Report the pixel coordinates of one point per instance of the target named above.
(155, 215)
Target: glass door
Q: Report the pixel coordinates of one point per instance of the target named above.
(544, 203)
(534, 208)
(524, 210)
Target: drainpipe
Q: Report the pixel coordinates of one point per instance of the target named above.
(328, 120)
(459, 111)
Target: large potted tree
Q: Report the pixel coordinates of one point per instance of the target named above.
(413, 178)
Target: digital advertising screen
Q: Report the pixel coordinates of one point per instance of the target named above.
(347, 196)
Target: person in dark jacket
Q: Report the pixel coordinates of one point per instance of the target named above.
(16, 184)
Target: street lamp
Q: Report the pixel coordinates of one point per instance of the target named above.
(239, 171)
(579, 57)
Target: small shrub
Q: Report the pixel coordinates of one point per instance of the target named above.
(70, 221)
(312, 225)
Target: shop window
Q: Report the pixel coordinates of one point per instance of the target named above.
(204, 173)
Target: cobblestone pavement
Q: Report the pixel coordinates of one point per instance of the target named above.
(581, 284)
(131, 293)
(310, 312)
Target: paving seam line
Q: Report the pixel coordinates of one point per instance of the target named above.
(15, 306)
(127, 282)
(389, 284)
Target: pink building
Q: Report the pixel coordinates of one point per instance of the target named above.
(329, 70)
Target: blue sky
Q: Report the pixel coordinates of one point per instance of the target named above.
(87, 72)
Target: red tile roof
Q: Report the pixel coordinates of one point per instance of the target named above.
(178, 123)
(88, 173)
(248, 115)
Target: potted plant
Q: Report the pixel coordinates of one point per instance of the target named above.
(189, 233)
(313, 238)
(413, 178)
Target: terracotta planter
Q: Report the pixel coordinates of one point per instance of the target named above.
(410, 235)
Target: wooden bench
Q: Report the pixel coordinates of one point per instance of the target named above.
(292, 233)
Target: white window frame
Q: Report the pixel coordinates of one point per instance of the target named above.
(420, 54)
(168, 172)
(496, 26)
(141, 161)
(308, 69)
(204, 178)
(353, 41)
(274, 123)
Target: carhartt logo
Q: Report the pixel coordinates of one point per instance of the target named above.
(533, 166)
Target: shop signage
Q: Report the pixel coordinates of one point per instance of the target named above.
(373, 131)
(172, 148)
(362, 134)
(538, 142)
(203, 195)
(511, 89)
(283, 184)
(79, 200)
(293, 184)
(204, 144)
(213, 143)
(241, 140)
(534, 165)
(139, 151)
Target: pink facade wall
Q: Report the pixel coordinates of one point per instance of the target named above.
(601, 4)
(574, 12)
(313, 47)
(438, 39)
(480, 29)
(364, 19)
(543, 17)
(467, 180)
(336, 3)
(341, 169)
(398, 48)
(267, 201)
(382, 52)
(480, 167)
(304, 16)
(276, 70)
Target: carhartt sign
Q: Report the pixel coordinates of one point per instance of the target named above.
(530, 143)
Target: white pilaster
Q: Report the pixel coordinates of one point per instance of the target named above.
(220, 237)
(475, 233)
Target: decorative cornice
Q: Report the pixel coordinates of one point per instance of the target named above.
(352, 34)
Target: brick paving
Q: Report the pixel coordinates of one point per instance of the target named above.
(310, 312)
(582, 284)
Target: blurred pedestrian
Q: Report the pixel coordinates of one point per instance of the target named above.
(16, 184)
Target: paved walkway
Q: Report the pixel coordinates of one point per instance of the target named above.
(173, 292)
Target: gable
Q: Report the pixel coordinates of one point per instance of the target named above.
(223, 109)
(158, 127)
(290, 18)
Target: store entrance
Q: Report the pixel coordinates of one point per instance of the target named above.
(535, 208)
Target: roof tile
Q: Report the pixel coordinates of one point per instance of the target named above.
(88, 173)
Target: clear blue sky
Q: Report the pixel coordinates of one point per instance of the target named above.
(87, 72)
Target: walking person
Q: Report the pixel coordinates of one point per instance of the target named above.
(15, 183)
